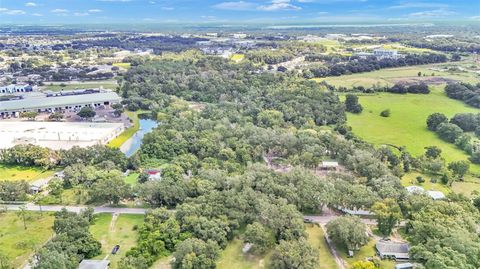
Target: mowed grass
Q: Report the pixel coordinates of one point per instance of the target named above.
(132, 179)
(19, 244)
(365, 252)
(317, 240)
(407, 124)
(232, 257)
(123, 137)
(121, 232)
(237, 57)
(390, 76)
(23, 173)
(410, 179)
(122, 65)
(107, 84)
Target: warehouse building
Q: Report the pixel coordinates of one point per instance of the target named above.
(51, 104)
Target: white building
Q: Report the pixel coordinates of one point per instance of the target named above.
(383, 53)
(13, 88)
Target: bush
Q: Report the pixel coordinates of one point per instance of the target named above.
(420, 179)
(386, 113)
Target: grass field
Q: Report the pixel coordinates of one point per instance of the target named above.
(233, 257)
(410, 179)
(406, 126)
(23, 173)
(390, 76)
(132, 179)
(122, 65)
(19, 244)
(365, 252)
(237, 57)
(317, 240)
(120, 232)
(106, 84)
(119, 140)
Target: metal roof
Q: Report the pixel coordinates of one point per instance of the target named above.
(43, 102)
(94, 264)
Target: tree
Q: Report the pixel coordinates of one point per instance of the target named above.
(4, 262)
(433, 152)
(348, 231)
(22, 213)
(385, 113)
(436, 119)
(449, 132)
(56, 116)
(86, 112)
(270, 118)
(109, 187)
(260, 237)
(352, 105)
(419, 74)
(388, 215)
(195, 253)
(31, 115)
(294, 254)
(459, 168)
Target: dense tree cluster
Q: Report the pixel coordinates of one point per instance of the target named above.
(71, 244)
(269, 56)
(468, 93)
(450, 44)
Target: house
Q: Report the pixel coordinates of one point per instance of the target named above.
(94, 264)
(329, 165)
(154, 174)
(415, 189)
(387, 249)
(436, 195)
(383, 53)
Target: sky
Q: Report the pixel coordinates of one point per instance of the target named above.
(232, 11)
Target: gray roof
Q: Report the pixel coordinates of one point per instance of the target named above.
(388, 248)
(58, 101)
(94, 264)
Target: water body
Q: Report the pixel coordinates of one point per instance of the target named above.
(133, 143)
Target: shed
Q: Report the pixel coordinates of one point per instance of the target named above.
(406, 265)
(94, 264)
(436, 195)
(329, 165)
(392, 250)
(415, 189)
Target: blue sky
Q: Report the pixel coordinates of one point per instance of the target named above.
(230, 11)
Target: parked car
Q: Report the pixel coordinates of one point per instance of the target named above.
(115, 249)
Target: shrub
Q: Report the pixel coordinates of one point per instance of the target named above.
(386, 113)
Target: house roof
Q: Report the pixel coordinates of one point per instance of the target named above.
(436, 195)
(400, 250)
(94, 264)
(329, 164)
(415, 189)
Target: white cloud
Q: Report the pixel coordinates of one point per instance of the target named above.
(168, 8)
(432, 13)
(30, 4)
(279, 5)
(407, 5)
(37, 14)
(81, 14)
(14, 12)
(2, 9)
(59, 10)
(114, 0)
(94, 10)
(239, 5)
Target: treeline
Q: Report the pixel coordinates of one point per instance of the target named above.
(31, 155)
(468, 93)
(450, 44)
(398, 88)
(72, 242)
(333, 67)
(457, 131)
(269, 56)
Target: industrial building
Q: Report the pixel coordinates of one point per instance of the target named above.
(48, 103)
(13, 88)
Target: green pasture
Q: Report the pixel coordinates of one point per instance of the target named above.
(29, 174)
(407, 124)
(317, 240)
(232, 257)
(19, 244)
(106, 84)
(123, 137)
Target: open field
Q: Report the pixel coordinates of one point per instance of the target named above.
(23, 173)
(406, 126)
(106, 84)
(126, 134)
(317, 240)
(115, 231)
(19, 244)
(233, 257)
(132, 178)
(410, 179)
(237, 57)
(122, 65)
(391, 76)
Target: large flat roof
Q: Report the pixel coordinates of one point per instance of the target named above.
(43, 102)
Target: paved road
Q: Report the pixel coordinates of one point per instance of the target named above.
(326, 219)
(56, 208)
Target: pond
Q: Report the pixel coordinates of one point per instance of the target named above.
(133, 143)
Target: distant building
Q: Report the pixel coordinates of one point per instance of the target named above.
(383, 53)
(94, 264)
(329, 165)
(435, 195)
(405, 266)
(13, 88)
(392, 250)
(154, 174)
(239, 36)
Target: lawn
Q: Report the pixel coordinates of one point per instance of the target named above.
(317, 240)
(121, 232)
(406, 126)
(122, 65)
(132, 179)
(23, 173)
(119, 140)
(392, 75)
(237, 57)
(106, 84)
(19, 244)
(410, 179)
(233, 257)
(365, 252)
